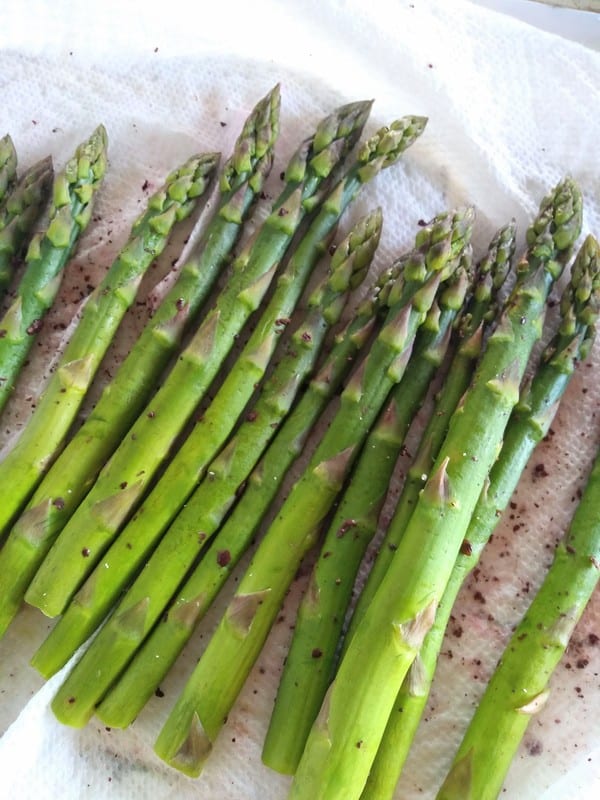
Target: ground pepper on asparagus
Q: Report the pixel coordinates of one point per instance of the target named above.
(310, 661)
(100, 317)
(69, 383)
(474, 329)
(189, 465)
(69, 478)
(198, 715)
(390, 636)
(122, 481)
(153, 660)
(528, 425)
(518, 688)
(189, 533)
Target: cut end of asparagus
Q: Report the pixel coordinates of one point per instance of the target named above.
(192, 753)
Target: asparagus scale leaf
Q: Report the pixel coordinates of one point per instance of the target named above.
(121, 483)
(211, 691)
(72, 198)
(345, 737)
(310, 661)
(69, 478)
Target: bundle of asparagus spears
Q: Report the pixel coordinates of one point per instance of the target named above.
(127, 526)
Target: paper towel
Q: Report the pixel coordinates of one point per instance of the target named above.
(511, 110)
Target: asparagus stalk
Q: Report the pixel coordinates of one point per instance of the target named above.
(519, 687)
(122, 481)
(310, 661)
(481, 313)
(71, 210)
(189, 466)
(101, 315)
(153, 660)
(345, 737)
(180, 546)
(67, 481)
(198, 715)
(8, 165)
(528, 425)
(20, 212)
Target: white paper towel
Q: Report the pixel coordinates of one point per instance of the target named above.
(511, 110)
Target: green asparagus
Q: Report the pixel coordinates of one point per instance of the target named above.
(101, 315)
(8, 166)
(67, 481)
(198, 715)
(519, 687)
(474, 328)
(528, 425)
(344, 739)
(48, 252)
(161, 648)
(20, 212)
(179, 548)
(123, 480)
(310, 661)
(189, 465)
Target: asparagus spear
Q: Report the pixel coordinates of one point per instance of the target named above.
(191, 462)
(345, 737)
(19, 214)
(198, 715)
(102, 313)
(528, 425)
(310, 661)
(153, 660)
(481, 313)
(71, 210)
(519, 687)
(8, 165)
(180, 546)
(122, 481)
(67, 481)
